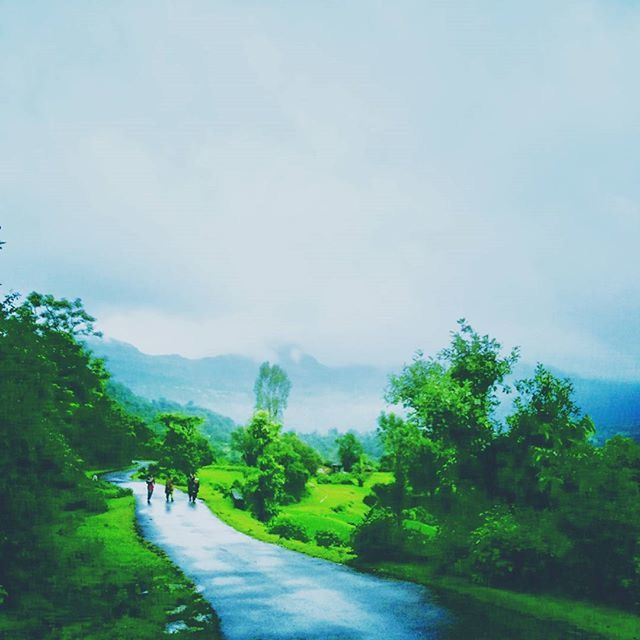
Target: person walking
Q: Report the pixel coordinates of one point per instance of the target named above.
(168, 489)
(196, 488)
(151, 483)
(193, 486)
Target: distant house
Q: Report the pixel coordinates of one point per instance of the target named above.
(336, 467)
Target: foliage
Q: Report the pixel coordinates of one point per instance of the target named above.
(260, 445)
(265, 488)
(335, 478)
(325, 538)
(532, 503)
(517, 548)
(124, 586)
(287, 528)
(183, 449)
(377, 536)
(325, 444)
(57, 417)
(349, 450)
(272, 389)
(252, 441)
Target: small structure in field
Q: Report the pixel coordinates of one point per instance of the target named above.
(238, 498)
(336, 467)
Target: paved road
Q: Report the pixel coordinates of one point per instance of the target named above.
(264, 592)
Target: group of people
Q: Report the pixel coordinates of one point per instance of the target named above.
(193, 487)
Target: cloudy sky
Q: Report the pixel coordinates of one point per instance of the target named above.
(214, 177)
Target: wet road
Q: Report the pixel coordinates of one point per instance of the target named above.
(262, 592)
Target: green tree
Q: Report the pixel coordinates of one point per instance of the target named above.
(546, 429)
(265, 488)
(251, 441)
(349, 450)
(184, 449)
(271, 390)
(451, 400)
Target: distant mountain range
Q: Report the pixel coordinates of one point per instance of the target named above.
(322, 397)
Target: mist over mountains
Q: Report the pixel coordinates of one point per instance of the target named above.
(322, 397)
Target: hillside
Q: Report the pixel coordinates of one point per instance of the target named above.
(322, 397)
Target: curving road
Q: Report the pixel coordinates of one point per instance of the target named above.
(262, 592)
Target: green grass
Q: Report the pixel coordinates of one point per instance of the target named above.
(584, 616)
(109, 584)
(328, 507)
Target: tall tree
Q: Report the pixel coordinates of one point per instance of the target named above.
(183, 448)
(272, 389)
(349, 450)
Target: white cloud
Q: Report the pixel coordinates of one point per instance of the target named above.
(351, 179)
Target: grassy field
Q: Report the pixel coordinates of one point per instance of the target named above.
(336, 508)
(111, 584)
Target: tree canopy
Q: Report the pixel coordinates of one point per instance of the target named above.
(271, 390)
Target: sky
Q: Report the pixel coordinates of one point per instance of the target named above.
(228, 177)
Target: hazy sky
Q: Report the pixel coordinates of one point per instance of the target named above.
(352, 177)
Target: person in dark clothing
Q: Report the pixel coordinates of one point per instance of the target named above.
(151, 483)
(168, 489)
(190, 478)
(193, 486)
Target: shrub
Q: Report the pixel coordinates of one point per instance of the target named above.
(516, 548)
(377, 536)
(336, 478)
(287, 528)
(329, 539)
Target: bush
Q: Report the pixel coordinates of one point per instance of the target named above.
(287, 528)
(516, 548)
(329, 539)
(336, 478)
(377, 536)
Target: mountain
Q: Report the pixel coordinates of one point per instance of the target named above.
(322, 397)
(215, 427)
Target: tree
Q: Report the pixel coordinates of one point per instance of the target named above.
(251, 441)
(451, 399)
(183, 448)
(349, 450)
(272, 389)
(265, 488)
(546, 428)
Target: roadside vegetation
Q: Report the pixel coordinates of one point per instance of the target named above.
(72, 565)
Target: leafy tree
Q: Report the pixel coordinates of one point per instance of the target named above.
(309, 457)
(272, 389)
(252, 440)
(183, 449)
(265, 488)
(545, 429)
(451, 399)
(349, 450)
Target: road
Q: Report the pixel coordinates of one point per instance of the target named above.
(263, 592)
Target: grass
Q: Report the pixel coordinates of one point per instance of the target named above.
(109, 584)
(584, 616)
(328, 507)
